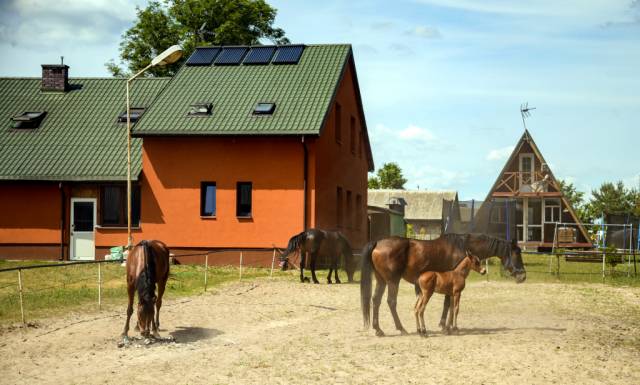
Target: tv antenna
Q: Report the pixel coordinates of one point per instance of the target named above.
(524, 111)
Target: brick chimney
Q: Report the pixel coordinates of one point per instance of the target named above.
(55, 77)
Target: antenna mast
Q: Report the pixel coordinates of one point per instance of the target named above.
(524, 112)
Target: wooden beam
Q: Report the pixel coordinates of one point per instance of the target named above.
(502, 194)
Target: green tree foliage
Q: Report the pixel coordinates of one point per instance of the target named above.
(374, 183)
(612, 198)
(192, 23)
(388, 176)
(575, 199)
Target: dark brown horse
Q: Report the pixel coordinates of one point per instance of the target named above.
(321, 243)
(147, 265)
(484, 247)
(450, 283)
(395, 258)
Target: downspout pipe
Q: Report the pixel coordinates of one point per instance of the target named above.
(305, 173)
(62, 217)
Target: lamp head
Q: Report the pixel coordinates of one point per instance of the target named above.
(168, 56)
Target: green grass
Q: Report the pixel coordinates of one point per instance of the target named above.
(53, 291)
(544, 268)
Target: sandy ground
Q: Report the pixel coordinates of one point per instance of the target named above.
(282, 331)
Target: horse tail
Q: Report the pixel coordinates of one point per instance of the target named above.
(365, 282)
(294, 244)
(146, 283)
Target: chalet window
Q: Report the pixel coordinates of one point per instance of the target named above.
(352, 132)
(349, 209)
(113, 205)
(358, 211)
(339, 206)
(552, 210)
(243, 199)
(136, 114)
(208, 192)
(338, 123)
(498, 213)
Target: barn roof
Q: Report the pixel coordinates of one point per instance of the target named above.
(79, 137)
(421, 205)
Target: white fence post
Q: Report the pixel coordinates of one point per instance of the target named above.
(206, 270)
(273, 261)
(99, 286)
(20, 290)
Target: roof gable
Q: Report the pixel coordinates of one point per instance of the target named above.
(80, 138)
(302, 93)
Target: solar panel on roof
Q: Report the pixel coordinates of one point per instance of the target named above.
(289, 54)
(259, 55)
(203, 56)
(231, 55)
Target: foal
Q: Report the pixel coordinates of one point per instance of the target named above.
(448, 283)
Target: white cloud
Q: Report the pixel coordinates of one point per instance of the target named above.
(500, 153)
(424, 32)
(42, 23)
(415, 132)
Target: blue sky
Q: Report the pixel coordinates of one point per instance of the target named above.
(441, 80)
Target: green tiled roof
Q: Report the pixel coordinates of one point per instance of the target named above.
(302, 93)
(79, 138)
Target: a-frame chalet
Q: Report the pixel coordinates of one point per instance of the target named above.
(528, 199)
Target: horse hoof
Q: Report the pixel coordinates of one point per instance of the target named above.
(329, 282)
(338, 282)
(379, 333)
(316, 282)
(305, 279)
(424, 334)
(403, 332)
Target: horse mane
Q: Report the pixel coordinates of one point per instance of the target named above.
(494, 246)
(294, 244)
(146, 282)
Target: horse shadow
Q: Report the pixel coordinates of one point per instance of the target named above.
(190, 334)
(485, 331)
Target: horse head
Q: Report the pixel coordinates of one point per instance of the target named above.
(146, 312)
(476, 264)
(512, 261)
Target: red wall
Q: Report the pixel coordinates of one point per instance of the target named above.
(175, 167)
(336, 166)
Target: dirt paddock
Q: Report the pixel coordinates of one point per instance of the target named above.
(282, 331)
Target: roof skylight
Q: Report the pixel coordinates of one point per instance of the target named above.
(28, 119)
(264, 109)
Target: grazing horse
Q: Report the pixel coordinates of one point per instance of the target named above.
(450, 283)
(147, 265)
(395, 258)
(316, 242)
(485, 246)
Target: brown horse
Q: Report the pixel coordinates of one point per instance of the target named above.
(321, 243)
(450, 283)
(395, 258)
(147, 265)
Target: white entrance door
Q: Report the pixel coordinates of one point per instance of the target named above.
(83, 220)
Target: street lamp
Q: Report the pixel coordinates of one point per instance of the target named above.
(170, 55)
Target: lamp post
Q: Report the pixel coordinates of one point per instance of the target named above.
(170, 55)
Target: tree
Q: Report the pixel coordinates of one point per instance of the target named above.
(575, 199)
(612, 198)
(192, 23)
(388, 176)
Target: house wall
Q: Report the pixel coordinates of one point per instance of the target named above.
(336, 166)
(30, 220)
(174, 168)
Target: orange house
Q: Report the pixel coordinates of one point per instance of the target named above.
(245, 147)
